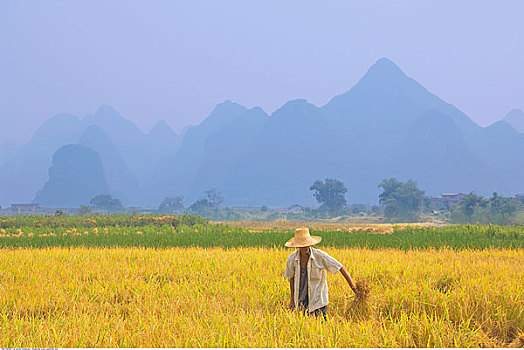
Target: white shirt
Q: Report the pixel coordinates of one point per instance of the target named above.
(319, 262)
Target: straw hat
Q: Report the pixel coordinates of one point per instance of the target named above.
(302, 239)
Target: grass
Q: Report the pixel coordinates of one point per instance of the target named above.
(209, 235)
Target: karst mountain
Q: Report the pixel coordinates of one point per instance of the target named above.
(387, 125)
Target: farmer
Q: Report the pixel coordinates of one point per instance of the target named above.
(306, 269)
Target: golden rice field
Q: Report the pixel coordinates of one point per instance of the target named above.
(215, 297)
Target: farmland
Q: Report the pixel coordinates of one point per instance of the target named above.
(109, 281)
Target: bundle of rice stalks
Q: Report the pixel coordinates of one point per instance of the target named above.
(359, 308)
(363, 290)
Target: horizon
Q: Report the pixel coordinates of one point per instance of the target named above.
(175, 62)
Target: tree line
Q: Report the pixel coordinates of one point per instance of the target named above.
(398, 202)
(404, 201)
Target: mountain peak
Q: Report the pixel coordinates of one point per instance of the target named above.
(296, 105)
(115, 125)
(257, 110)
(228, 106)
(384, 69)
(223, 113)
(76, 176)
(383, 78)
(296, 110)
(514, 114)
(516, 119)
(161, 128)
(61, 124)
(106, 111)
(501, 127)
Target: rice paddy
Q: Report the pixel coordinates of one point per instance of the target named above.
(195, 284)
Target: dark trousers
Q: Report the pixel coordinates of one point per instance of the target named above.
(303, 307)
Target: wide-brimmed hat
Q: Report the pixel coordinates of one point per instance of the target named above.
(302, 239)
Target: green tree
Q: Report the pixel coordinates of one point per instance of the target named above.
(330, 193)
(389, 186)
(105, 201)
(214, 198)
(200, 205)
(84, 209)
(172, 205)
(471, 202)
(210, 206)
(358, 208)
(503, 209)
(401, 200)
(472, 208)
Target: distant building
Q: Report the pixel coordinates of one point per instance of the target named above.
(25, 208)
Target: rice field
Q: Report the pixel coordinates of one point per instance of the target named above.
(171, 232)
(195, 284)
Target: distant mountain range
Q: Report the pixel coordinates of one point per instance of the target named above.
(387, 125)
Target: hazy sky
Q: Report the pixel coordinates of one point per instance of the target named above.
(175, 60)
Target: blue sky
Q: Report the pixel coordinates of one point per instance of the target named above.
(175, 60)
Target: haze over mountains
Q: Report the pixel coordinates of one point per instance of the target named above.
(386, 125)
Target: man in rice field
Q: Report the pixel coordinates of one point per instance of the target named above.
(306, 269)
